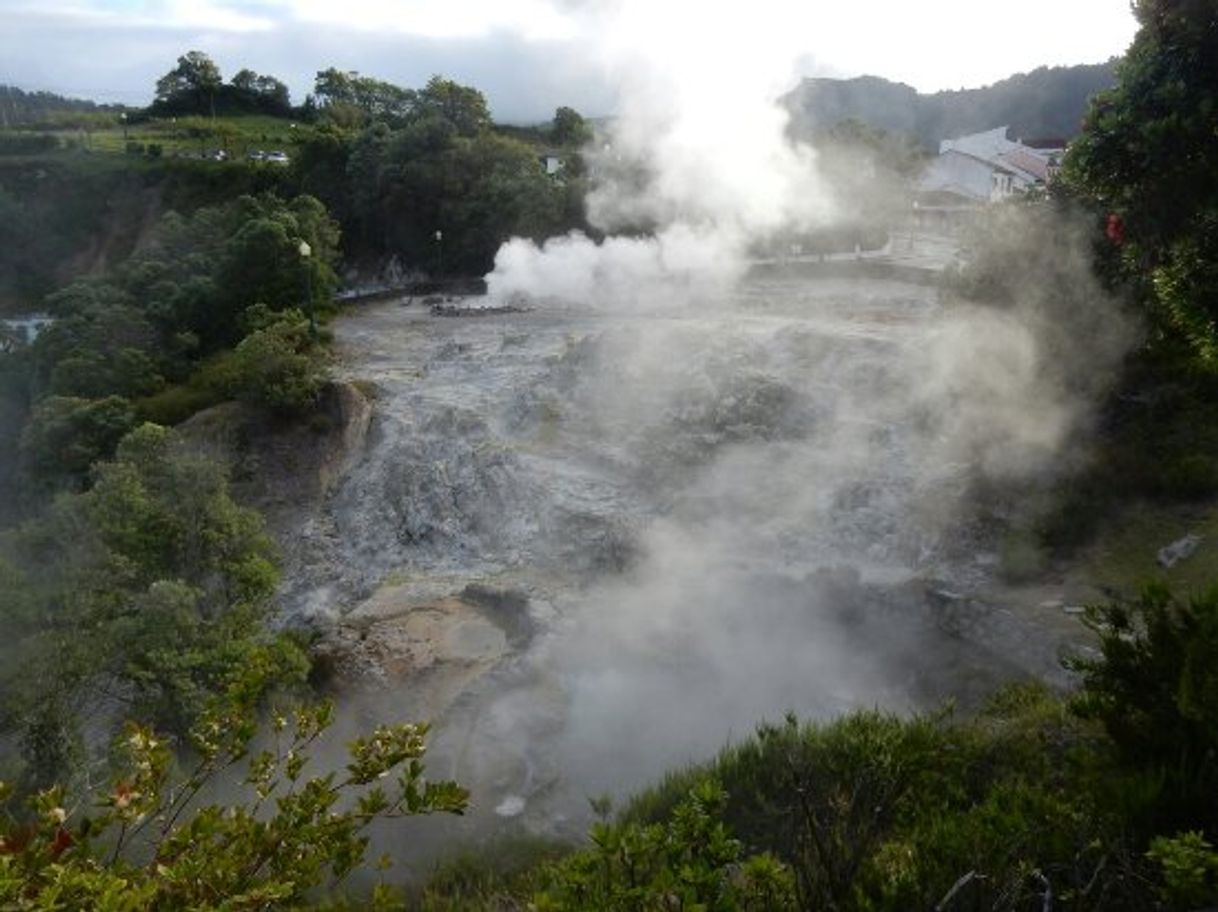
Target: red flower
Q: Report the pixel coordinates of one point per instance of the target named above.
(63, 840)
(1115, 229)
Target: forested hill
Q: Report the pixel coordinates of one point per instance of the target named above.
(1049, 101)
(19, 107)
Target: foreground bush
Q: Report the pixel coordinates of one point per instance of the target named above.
(145, 844)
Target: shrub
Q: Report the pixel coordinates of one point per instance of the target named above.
(66, 435)
(1190, 870)
(145, 846)
(690, 862)
(1154, 687)
(279, 367)
(14, 143)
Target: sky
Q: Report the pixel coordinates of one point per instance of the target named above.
(530, 56)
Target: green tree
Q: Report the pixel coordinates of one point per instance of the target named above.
(477, 190)
(251, 91)
(366, 177)
(245, 80)
(1149, 158)
(144, 592)
(462, 106)
(195, 76)
(350, 100)
(569, 128)
(65, 435)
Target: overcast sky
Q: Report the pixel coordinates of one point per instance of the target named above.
(527, 56)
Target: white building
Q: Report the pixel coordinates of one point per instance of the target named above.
(988, 168)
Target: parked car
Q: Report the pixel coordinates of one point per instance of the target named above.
(279, 158)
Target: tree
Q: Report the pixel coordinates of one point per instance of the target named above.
(1148, 157)
(66, 435)
(246, 80)
(350, 99)
(462, 106)
(569, 128)
(147, 592)
(195, 76)
(478, 190)
(249, 91)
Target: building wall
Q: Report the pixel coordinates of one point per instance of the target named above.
(961, 174)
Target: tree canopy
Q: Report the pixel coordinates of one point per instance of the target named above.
(195, 76)
(195, 86)
(169, 576)
(1149, 157)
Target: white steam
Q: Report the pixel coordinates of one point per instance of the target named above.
(809, 449)
(698, 156)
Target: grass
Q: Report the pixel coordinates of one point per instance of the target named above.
(1123, 557)
(187, 136)
(210, 384)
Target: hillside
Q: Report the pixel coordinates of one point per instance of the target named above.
(20, 108)
(1049, 101)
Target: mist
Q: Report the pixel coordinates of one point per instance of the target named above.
(813, 449)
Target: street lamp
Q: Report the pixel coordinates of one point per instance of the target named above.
(439, 236)
(305, 252)
(123, 118)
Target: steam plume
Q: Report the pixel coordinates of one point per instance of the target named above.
(698, 156)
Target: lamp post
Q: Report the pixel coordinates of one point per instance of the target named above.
(305, 252)
(439, 236)
(123, 118)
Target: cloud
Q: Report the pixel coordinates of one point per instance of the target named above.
(535, 20)
(530, 56)
(161, 15)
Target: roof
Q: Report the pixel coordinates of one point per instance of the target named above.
(1034, 163)
(1046, 144)
(992, 150)
(987, 145)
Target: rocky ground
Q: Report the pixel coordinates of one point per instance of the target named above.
(580, 544)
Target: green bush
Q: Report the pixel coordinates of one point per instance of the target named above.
(689, 862)
(66, 435)
(215, 380)
(279, 366)
(174, 404)
(1154, 687)
(298, 829)
(1190, 870)
(14, 143)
